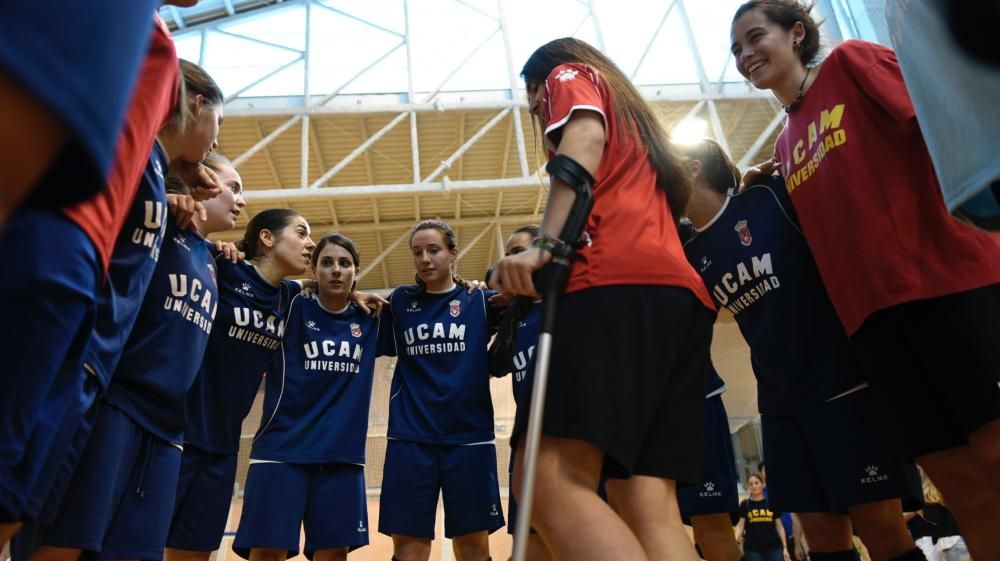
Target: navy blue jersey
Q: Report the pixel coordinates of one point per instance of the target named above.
(165, 348)
(522, 363)
(756, 264)
(440, 392)
(316, 399)
(83, 70)
(132, 264)
(248, 331)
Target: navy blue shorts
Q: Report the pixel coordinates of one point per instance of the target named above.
(51, 303)
(83, 72)
(465, 475)
(716, 493)
(836, 456)
(204, 495)
(119, 502)
(937, 360)
(328, 499)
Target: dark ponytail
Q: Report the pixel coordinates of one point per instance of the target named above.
(194, 81)
(273, 219)
(719, 171)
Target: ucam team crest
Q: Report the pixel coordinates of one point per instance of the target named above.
(355, 330)
(744, 232)
(456, 308)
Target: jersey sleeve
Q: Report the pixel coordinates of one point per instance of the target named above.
(386, 345)
(493, 314)
(500, 363)
(569, 88)
(292, 288)
(289, 290)
(776, 185)
(876, 70)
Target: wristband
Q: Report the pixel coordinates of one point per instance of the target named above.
(555, 246)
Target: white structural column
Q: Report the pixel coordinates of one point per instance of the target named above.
(414, 144)
(713, 111)
(522, 155)
(304, 151)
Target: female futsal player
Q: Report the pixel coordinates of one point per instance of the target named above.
(440, 412)
(916, 291)
(623, 379)
(307, 461)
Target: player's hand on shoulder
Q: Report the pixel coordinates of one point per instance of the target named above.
(229, 251)
(370, 302)
(474, 285)
(184, 208)
(758, 173)
(203, 182)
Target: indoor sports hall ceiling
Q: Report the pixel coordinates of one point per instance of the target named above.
(369, 115)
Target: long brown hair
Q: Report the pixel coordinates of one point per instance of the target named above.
(194, 81)
(631, 111)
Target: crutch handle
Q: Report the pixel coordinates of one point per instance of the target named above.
(550, 281)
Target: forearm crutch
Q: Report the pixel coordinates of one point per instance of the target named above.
(551, 281)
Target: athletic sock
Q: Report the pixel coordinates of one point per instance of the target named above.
(914, 554)
(845, 555)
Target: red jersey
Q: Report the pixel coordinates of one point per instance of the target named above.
(862, 183)
(633, 235)
(153, 100)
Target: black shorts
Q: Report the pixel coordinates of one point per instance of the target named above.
(629, 374)
(934, 366)
(716, 491)
(836, 456)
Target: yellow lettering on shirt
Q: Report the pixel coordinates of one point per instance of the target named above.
(821, 141)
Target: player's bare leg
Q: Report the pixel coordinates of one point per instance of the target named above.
(49, 553)
(881, 527)
(268, 554)
(7, 531)
(714, 535)
(649, 506)
(332, 554)
(472, 547)
(171, 554)
(575, 523)
(409, 548)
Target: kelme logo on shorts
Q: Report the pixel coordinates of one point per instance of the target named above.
(872, 475)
